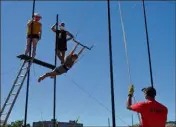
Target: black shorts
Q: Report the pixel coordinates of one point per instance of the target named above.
(36, 36)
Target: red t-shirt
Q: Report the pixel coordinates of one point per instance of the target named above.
(153, 114)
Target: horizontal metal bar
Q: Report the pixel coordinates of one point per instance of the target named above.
(17, 84)
(82, 44)
(9, 103)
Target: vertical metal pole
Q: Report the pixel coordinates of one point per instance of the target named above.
(0, 76)
(109, 122)
(54, 108)
(111, 67)
(148, 46)
(132, 121)
(28, 78)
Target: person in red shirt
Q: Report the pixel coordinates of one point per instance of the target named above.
(153, 113)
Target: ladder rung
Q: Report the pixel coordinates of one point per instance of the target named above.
(13, 94)
(24, 68)
(4, 114)
(8, 103)
(21, 76)
(2, 121)
(17, 84)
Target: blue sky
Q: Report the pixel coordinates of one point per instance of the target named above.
(92, 71)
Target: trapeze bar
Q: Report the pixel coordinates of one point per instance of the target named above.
(82, 45)
(36, 61)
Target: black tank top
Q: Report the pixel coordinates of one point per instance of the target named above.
(62, 36)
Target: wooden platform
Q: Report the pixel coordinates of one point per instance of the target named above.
(36, 61)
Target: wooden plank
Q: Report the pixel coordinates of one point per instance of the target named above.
(36, 61)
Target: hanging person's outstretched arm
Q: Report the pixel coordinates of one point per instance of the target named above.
(79, 54)
(72, 52)
(81, 51)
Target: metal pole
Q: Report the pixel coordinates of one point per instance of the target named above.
(111, 67)
(109, 122)
(28, 78)
(148, 46)
(54, 108)
(132, 120)
(0, 76)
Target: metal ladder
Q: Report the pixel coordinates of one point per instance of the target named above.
(14, 92)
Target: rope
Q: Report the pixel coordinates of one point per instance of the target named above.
(125, 43)
(148, 47)
(126, 52)
(90, 95)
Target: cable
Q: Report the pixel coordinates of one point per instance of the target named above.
(126, 52)
(90, 95)
(84, 105)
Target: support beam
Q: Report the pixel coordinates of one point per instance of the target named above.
(36, 61)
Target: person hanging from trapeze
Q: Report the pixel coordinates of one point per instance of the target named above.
(69, 61)
(35, 35)
(61, 40)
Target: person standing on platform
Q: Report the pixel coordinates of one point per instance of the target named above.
(34, 36)
(61, 40)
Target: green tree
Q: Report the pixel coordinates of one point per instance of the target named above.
(17, 123)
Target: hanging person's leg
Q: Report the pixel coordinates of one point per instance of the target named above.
(49, 74)
(57, 71)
